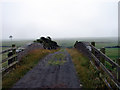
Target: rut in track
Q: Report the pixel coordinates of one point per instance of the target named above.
(54, 71)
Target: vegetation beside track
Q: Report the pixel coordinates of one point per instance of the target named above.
(85, 71)
(26, 64)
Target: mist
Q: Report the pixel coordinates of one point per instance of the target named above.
(31, 19)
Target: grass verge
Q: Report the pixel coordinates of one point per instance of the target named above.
(85, 71)
(26, 64)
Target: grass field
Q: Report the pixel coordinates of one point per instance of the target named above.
(113, 53)
(100, 42)
(69, 42)
(18, 43)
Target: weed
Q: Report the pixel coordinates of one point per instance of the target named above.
(26, 64)
(85, 71)
(52, 62)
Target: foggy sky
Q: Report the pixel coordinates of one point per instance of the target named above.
(30, 19)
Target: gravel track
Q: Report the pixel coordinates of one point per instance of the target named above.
(45, 75)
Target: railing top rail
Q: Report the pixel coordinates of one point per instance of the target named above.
(106, 57)
(107, 72)
(4, 51)
(6, 59)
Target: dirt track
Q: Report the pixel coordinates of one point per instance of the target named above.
(54, 71)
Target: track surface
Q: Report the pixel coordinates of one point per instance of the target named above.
(50, 74)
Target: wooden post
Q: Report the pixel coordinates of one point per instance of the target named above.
(102, 50)
(118, 74)
(13, 50)
(11, 54)
(101, 58)
(75, 44)
(93, 43)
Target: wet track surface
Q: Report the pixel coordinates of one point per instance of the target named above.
(54, 71)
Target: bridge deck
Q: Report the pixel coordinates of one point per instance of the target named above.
(54, 71)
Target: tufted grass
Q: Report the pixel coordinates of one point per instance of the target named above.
(85, 71)
(53, 62)
(26, 64)
(57, 59)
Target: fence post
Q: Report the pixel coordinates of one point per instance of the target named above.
(101, 58)
(12, 53)
(93, 43)
(13, 50)
(118, 61)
